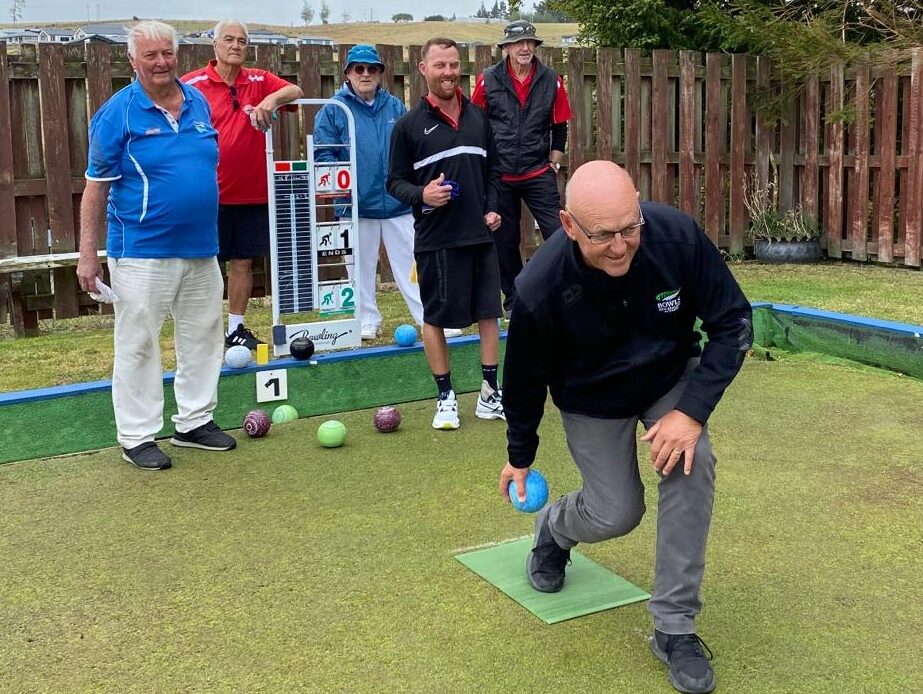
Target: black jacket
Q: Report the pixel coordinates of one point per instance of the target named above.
(424, 145)
(523, 135)
(609, 347)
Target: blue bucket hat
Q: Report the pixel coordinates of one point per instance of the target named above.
(363, 53)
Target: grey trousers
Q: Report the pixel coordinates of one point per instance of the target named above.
(611, 504)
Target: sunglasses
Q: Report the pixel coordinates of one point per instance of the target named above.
(628, 233)
(519, 31)
(362, 69)
(235, 102)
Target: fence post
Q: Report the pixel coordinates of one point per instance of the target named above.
(860, 193)
(740, 143)
(835, 143)
(913, 234)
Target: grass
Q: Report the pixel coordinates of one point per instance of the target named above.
(76, 350)
(282, 566)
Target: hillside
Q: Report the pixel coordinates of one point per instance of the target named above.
(382, 32)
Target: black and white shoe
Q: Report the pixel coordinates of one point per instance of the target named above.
(490, 403)
(208, 437)
(242, 336)
(147, 456)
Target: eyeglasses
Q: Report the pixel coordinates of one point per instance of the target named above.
(628, 233)
(235, 103)
(362, 69)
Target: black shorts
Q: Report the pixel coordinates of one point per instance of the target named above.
(243, 231)
(459, 286)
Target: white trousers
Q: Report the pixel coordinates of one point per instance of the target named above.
(149, 289)
(397, 235)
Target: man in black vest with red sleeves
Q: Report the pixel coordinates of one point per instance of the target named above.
(528, 111)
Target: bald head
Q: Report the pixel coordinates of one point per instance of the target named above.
(601, 188)
(600, 215)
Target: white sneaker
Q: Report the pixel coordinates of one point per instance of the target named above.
(452, 332)
(490, 405)
(370, 332)
(446, 412)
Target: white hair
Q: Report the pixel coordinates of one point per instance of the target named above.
(229, 22)
(150, 29)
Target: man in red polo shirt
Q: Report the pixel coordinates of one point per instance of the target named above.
(242, 102)
(528, 111)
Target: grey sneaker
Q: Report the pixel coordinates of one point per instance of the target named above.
(208, 437)
(690, 671)
(147, 456)
(545, 563)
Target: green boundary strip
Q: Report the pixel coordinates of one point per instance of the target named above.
(55, 423)
(73, 419)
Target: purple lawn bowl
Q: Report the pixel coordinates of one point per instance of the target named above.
(387, 419)
(256, 424)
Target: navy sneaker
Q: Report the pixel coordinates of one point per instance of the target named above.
(690, 671)
(545, 563)
(208, 437)
(147, 456)
(242, 336)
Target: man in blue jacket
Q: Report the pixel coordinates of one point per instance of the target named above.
(605, 320)
(382, 218)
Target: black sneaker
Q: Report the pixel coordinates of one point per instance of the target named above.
(208, 437)
(147, 456)
(242, 336)
(690, 671)
(545, 563)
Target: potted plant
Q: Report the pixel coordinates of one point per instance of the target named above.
(780, 237)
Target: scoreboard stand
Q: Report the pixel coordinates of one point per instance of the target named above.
(300, 245)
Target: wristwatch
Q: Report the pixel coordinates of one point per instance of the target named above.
(555, 165)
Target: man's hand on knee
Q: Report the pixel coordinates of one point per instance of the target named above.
(673, 438)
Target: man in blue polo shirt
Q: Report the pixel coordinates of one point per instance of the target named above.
(152, 191)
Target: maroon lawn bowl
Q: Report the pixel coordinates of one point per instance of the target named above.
(387, 419)
(256, 424)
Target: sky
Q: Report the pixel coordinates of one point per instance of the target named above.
(271, 12)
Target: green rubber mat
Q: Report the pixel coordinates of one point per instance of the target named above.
(588, 588)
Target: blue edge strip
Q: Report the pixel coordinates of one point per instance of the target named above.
(24, 396)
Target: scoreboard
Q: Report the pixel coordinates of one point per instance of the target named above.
(313, 254)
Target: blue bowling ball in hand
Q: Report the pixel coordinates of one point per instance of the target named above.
(536, 493)
(405, 335)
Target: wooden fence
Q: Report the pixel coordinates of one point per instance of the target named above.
(686, 126)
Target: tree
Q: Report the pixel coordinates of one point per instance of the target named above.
(16, 10)
(401, 17)
(307, 12)
(482, 12)
(434, 18)
(324, 12)
(345, 17)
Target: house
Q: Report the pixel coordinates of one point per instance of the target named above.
(263, 36)
(110, 33)
(312, 41)
(19, 35)
(55, 35)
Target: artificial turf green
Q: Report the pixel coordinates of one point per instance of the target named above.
(588, 587)
(282, 566)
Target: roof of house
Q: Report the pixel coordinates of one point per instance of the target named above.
(105, 28)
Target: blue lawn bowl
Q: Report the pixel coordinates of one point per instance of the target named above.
(405, 335)
(536, 493)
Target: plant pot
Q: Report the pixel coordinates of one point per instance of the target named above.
(775, 252)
